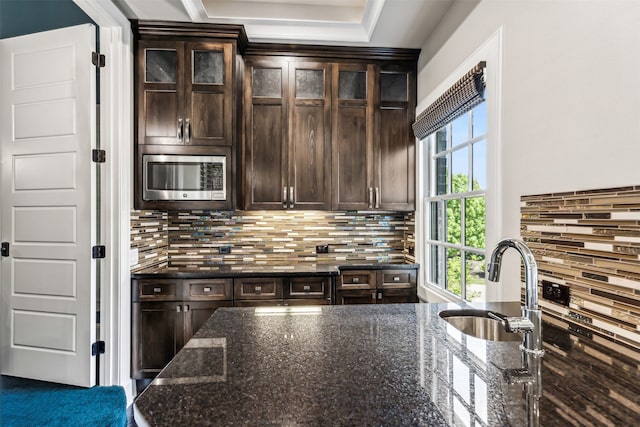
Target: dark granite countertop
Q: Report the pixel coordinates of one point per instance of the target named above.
(254, 269)
(396, 364)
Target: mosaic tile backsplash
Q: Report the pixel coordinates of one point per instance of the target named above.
(150, 236)
(590, 242)
(195, 237)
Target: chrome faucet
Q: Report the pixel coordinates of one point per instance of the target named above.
(530, 324)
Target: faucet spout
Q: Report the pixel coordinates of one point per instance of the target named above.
(531, 314)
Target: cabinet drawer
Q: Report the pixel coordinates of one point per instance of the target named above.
(306, 287)
(257, 288)
(357, 279)
(208, 289)
(157, 290)
(398, 278)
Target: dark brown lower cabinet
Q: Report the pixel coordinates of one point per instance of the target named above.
(377, 287)
(166, 314)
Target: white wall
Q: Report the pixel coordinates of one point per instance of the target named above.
(570, 106)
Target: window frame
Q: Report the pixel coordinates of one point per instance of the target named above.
(491, 52)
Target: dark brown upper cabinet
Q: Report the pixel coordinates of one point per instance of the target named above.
(394, 142)
(184, 92)
(287, 134)
(373, 148)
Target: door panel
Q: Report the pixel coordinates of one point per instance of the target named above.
(48, 212)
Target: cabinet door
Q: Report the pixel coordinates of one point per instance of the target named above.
(352, 137)
(160, 92)
(362, 296)
(265, 184)
(197, 313)
(394, 155)
(208, 94)
(157, 336)
(309, 148)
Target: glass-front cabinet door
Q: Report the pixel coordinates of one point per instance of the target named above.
(184, 93)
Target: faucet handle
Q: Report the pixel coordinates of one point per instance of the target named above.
(518, 324)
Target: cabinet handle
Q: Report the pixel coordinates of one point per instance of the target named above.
(396, 278)
(355, 280)
(207, 289)
(373, 296)
(258, 289)
(186, 308)
(157, 290)
(292, 197)
(179, 130)
(377, 197)
(178, 308)
(187, 131)
(379, 295)
(307, 288)
(284, 197)
(370, 197)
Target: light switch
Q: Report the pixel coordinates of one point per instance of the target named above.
(133, 257)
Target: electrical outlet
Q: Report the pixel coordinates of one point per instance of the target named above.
(556, 293)
(322, 249)
(133, 257)
(224, 250)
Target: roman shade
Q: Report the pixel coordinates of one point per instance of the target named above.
(465, 94)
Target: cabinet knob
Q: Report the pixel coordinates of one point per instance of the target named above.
(157, 290)
(307, 287)
(207, 289)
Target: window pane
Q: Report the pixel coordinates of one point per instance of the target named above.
(267, 82)
(475, 283)
(441, 175)
(436, 221)
(480, 165)
(393, 87)
(474, 218)
(460, 130)
(208, 67)
(161, 66)
(480, 120)
(460, 170)
(454, 271)
(453, 221)
(352, 85)
(309, 84)
(441, 140)
(435, 270)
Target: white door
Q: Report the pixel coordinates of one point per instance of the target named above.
(48, 213)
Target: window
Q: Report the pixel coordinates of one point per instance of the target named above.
(455, 158)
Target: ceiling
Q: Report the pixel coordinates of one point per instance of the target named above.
(381, 23)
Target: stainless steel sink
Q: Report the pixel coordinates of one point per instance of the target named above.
(479, 324)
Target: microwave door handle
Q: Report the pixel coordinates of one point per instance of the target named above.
(179, 135)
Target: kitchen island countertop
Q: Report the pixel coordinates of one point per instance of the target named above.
(395, 364)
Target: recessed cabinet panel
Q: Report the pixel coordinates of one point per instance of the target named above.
(207, 122)
(161, 115)
(208, 67)
(161, 66)
(396, 155)
(350, 166)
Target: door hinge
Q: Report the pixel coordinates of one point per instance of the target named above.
(98, 347)
(98, 252)
(97, 59)
(99, 156)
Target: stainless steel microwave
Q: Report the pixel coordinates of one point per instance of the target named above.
(186, 177)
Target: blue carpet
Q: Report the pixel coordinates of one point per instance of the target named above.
(26, 403)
